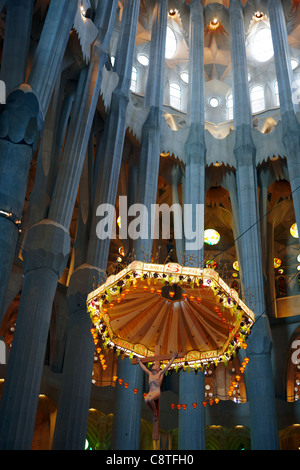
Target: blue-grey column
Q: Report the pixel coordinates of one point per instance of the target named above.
(128, 435)
(51, 48)
(49, 156)
(191, 428)
(194, 185)
(65, 191)
(191, 425)
(128, 407)
(259, 380)
(45, 256)
(46, 251)
(229, 183)
(114, 132)
(20, 126)
(150, 143)
(74, 400)
(132, 195)
(176, 179)
(16, 46)
(21, 121)
(288, 103)
(72, 416)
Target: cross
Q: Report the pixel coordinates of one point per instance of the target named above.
(155, 358)
(154, 403)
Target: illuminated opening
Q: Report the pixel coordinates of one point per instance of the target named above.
(175, 95)
(171, 44)
(277, 263)
(185, 77)
(294, 231)
(236, 266)
(211, 237)
(257, 99)
(263, 45)
(294, 64)
(211, 264)
(229, 105)
(143, 59)
(214, 102)
(133, 79)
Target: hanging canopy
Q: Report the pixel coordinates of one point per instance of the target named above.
(186, 310)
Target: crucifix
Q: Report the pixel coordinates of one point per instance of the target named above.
(156, 375)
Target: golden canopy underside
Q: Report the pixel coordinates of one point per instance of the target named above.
(176, 326)
(141, 315)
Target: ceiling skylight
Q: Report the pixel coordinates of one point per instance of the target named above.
(214, 102)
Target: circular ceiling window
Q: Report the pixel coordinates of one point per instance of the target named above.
(143, 59)
(262, 46)
(214, 102)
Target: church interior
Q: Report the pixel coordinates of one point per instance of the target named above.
(164, 102)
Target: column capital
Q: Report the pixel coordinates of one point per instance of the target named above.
(84, 280)
(21, 118)
(47, 245)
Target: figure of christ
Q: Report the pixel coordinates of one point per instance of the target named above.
(156, 376)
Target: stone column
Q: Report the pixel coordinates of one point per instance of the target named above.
(16, 46)
(45, 256)
(176, 176)
(128, 407)
(258, 376)
(20, 126)
(192, 424)
(229, 183)
(51, 49)
(150, 147)
(21, 121)
(65, 191)
(74, 400)
(288, 104)
(80, 348)
(42, 242)
(194, 186)
(114, 133)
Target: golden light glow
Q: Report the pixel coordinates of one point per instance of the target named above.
(294, 231)
(277, 263)
(236, 266)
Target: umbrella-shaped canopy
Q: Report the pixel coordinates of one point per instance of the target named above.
(186, 310)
